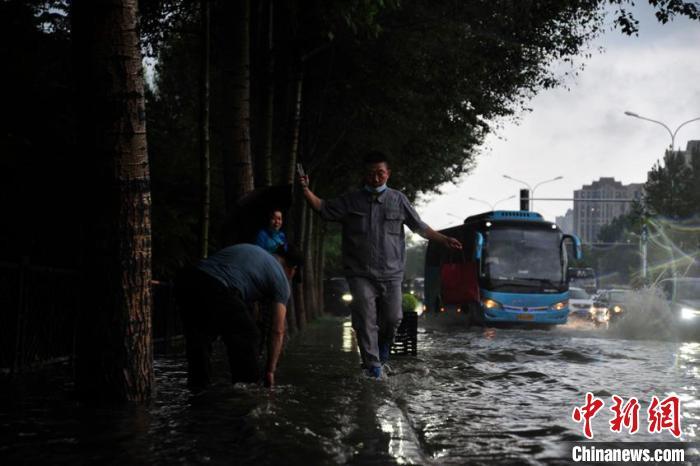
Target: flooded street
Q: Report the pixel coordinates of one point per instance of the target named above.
(470, 396)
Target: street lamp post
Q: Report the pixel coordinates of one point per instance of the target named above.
(671, 133)
(644, 235)
(531, 190)
(492, 206)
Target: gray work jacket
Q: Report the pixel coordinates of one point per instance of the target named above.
(373, 236)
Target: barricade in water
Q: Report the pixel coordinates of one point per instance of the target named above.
(406, 340)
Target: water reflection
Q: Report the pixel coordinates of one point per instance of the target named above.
(403, 446)
(470, 396)
(349, 342)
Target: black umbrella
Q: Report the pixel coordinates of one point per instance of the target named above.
(252, 211)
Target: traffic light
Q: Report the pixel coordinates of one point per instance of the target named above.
(524, 199)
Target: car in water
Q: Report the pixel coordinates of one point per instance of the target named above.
(683, 297)
(611, 305)
(580, 305)
(336, 296)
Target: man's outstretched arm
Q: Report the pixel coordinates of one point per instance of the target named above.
(275, 342)
(313, 200)
(447, 241)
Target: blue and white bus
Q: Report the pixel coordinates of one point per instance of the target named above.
(513, 269)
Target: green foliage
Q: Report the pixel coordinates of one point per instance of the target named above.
(672, 188)
(424, 81)
(672, 218)
(408, 302)
(436, 80)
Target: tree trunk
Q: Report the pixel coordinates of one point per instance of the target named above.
(296, 127)
(204, 92)
(265, 162)
(309, 274)
(291, 313)
(114, 354)
(299, 307)
(299, 228)
(320, 265)
(239, 170)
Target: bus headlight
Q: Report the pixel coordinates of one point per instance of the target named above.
(560, 305)
(688, 313)
(617, 309)
(491, 304)
(347, 297)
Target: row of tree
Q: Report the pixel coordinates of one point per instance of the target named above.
(669, 219)
(240, 91)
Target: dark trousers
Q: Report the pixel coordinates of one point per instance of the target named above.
(209, 309)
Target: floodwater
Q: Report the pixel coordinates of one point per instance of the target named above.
(471, 396)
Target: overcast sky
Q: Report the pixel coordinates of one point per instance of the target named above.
(582, 133)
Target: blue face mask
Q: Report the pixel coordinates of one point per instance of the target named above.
(377, 190)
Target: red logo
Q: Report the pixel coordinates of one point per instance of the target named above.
(587, 412)
(661, 415)
(625, 416)
(665, 415)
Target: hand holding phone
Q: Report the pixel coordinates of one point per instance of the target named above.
(303, 177)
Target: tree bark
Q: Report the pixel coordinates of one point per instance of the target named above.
(114, 353)
(321, 265)
(239, 170)
(299, 229)
(308, 265)
(269, 105)
(204, 92)
(296, 126)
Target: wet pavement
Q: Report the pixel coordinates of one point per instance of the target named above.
(470, 396)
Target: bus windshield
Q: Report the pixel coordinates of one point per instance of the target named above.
(523, 254)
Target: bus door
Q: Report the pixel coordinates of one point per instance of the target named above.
(459, 271)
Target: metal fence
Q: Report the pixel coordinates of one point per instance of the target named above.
(39, 309)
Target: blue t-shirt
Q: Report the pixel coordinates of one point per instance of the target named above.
(270, 240)
(257, 274)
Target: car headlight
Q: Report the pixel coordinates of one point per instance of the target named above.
(347, 297)
(491, 304)
(689, 313)
(560, 305)
(617, 309)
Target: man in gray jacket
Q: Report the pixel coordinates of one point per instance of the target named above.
(373, 251)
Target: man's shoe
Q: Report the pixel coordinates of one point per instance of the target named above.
(374, 372)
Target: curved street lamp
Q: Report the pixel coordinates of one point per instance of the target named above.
(492, 206)
(671, 133)
(644, 234)
(531, 190)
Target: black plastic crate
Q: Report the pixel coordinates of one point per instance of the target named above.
(406, 340)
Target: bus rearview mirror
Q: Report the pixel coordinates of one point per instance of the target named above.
(578, 251)
(478, 246)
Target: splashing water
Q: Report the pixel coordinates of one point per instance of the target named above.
(647, 317)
